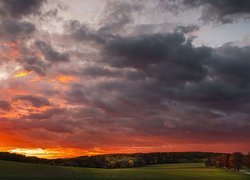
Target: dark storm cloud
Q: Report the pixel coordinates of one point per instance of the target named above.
(228, 76)
(210, 91)
(41, 64)
(232, 64)
(77, 94)
(180, 71)
(51, 54)
(81, 32)
(5, 105)
(143, 50)
(167, 57)
(35, 64)
(13, 29)
(224, 11)
(158, 70)
(36, 101)
(227, 79)
(18, 9)
(46, 114)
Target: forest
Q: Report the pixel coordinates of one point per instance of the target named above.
(232, 161)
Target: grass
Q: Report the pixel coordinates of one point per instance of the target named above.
(187, 171)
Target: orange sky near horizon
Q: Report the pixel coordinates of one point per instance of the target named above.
(53, 153)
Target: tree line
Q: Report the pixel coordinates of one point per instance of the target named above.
(134, 160)
(234, 161)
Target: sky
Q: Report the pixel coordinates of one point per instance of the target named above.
(87, 77)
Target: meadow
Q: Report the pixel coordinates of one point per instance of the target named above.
(181, 171)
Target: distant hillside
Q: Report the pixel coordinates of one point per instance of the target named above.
(117, 160)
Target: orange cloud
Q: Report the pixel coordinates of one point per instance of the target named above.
(13, 50)
(66, 79)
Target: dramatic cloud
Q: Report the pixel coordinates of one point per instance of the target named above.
(5, 105)
(167, 57)
(81, 32)
(34, 64)
(17, 9)
(181, 71)
(225, 11)
(13, 29)
(125, 76)
(47, 114)
(51, 54)
(36, 101)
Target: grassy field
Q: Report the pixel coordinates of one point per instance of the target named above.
(188, 171)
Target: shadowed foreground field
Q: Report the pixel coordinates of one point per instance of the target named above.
(189, 171)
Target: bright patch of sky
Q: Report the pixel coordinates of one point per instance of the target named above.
(217, 35)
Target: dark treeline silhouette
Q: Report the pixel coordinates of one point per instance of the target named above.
(136, 160)
(116, 160)
(21, 158)
(233, 161)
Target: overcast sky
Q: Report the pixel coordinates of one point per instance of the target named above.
(90, 76)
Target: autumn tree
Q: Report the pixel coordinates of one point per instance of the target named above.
(236, 160)
(131, 163)
(247, 160)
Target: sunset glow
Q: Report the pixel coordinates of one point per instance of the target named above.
(66, 79)
(96, 77)
(52, 153)
(22, 74)
(32, 152)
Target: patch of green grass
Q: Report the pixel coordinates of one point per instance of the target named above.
(184, 171)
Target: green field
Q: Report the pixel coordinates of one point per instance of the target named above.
(188, 171)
